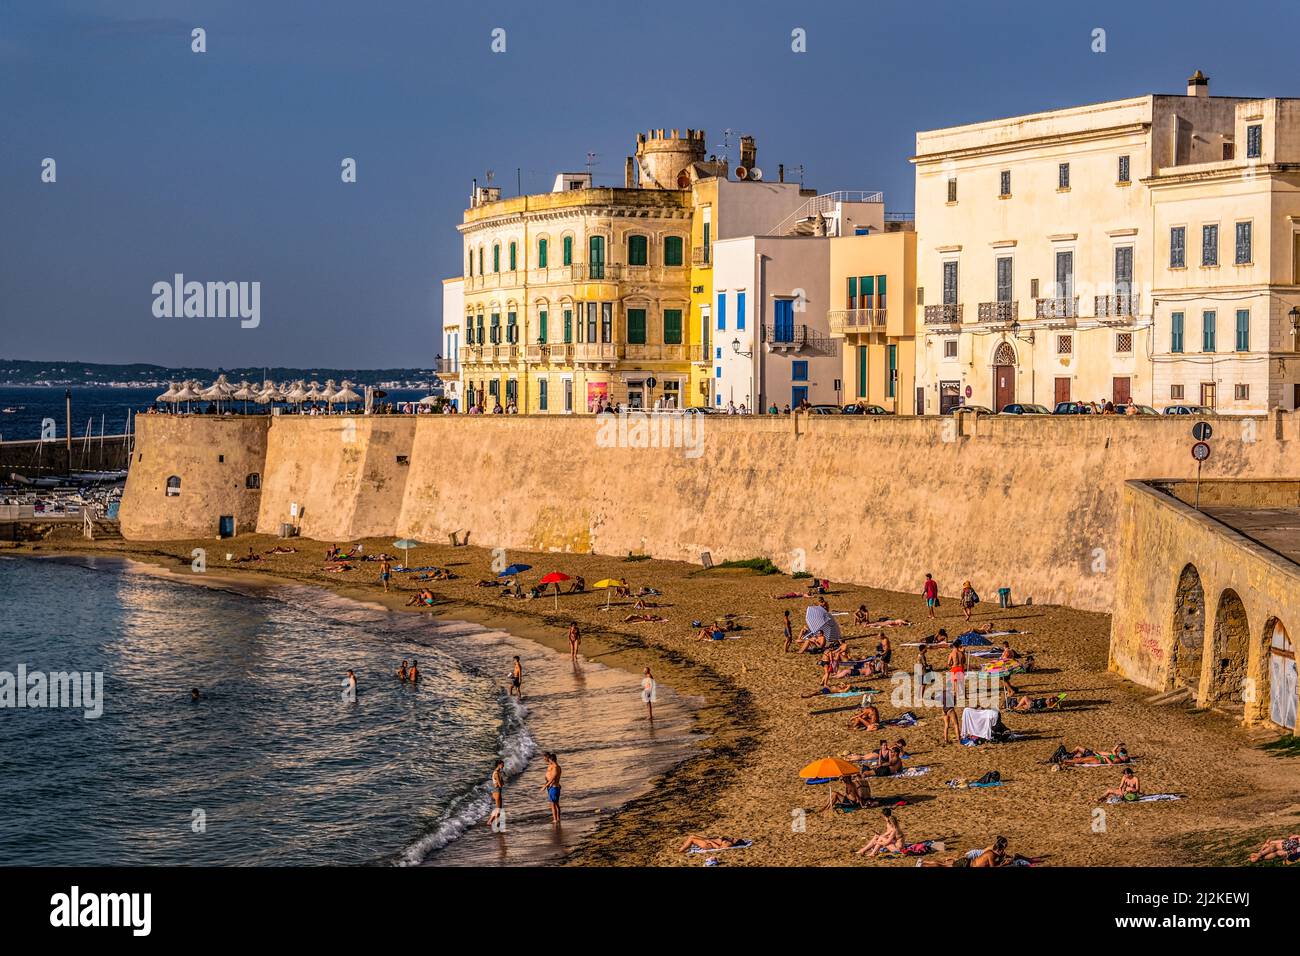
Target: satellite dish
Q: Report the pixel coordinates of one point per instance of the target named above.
(742, 172)
(756, 174)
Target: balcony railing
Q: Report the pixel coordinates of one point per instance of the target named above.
(798, 338)
(1059, 308)
(1115, 306)
(595, 273)
(549, 353)
(655, 352)
(447, 366)
(942, 314)
(856, 320)
(1000, 312)
(597, 352)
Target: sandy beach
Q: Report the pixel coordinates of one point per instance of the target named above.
(755, 732)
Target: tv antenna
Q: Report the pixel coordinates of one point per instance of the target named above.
(491, 175)
(799, 170)
(726, 144)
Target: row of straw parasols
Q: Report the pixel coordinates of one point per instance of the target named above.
(291, 393)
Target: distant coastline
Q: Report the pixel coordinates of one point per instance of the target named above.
(26, 373)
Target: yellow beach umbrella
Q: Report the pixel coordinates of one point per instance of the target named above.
(608, 584)
(829, 767)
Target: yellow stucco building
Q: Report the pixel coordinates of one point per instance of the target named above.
(873, 309)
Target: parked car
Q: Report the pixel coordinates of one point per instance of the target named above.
(696, 410)
(825, 410)
(977, 409)
(1137, 410)
(1188, 410)
(1025, 408)
(1073, 408)
(862, 408)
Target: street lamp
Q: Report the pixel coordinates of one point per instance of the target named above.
(1015, 332)
(1294, 316)
(735, 347)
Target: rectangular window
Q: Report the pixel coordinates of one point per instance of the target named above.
(880, 293)
(596, 257)
(541, 394)
(952, 189)
(1243, 330)
(853, 293)
(722, 311)
(496, 328)
(862, 371)
(1254, 141)
(593, 317)
(541, 253)
(1210, 245)
(891, 383)
(496, 258)
(1124, 271)
(1063, 176)
(480, 261)
(638, 250)
(1243, 256)
(740, 311)
(514, 263)
(1241, 393)
(708, 239)
(1207, 331)
(1004, 279)
(1004, 183)
(1124, 343)
(1176, 332)
(568, 326)
(607, 322)
(512, 327)
(867, 286)
(541, 326)
(950, 282)
(950, 348)
(799, 371)
(636, 326)
(1178, 247)
(1065, 275)
(1176, 393)
(672, 326)
(567, 250)
(673, 251)
(1124, 170)
(1065, 345)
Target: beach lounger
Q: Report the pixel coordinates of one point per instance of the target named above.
(744, 845)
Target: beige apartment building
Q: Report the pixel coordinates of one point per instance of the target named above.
(1043, 258)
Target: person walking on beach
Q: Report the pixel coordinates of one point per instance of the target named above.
(517, 680)
(788, 628)
(385, 572)
(498, 788)
(931, 593)
(552, 786)
(968, 599)
(648, 694)
(575, 638)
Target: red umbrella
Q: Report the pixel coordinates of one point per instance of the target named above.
(555, 577)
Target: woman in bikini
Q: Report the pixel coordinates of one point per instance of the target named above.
(867, 719)
(1286, 848)
(498, 787)
(890, 841)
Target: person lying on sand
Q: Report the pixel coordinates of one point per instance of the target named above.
(338, 566)
(710, 632)
(1130, 787)
(694, 842)
(1083, 756)
(855, 795)
(644, 619)
(280, 549)
(1286, 848)
(1013, 699)
(991, 856)
(891, 840)
(866, 719)
(642, 604)
(833, 689)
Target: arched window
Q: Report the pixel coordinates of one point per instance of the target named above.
(254, 480)
(541, 253)
(673, 250)
(638, 250)
(496, 257)
(173, 486)
(1005, 355)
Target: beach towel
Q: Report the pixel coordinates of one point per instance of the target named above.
(847, 693)
(907, 719)
(913, 772)
(743, 845)
(973, 784)
(979, 722)
(972, 639)
(1005, 668)
(1147, 798)
(893, 622)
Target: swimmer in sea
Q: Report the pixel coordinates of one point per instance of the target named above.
(498, 787)
(414, 672)
(402, 673)
(352, 685)
(517, 680)
(195, 695)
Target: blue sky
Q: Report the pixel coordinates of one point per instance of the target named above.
(225, 166)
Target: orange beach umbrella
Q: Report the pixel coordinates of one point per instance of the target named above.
(829, 767)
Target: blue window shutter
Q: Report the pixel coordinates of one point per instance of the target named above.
(722, 311)
(740, 311)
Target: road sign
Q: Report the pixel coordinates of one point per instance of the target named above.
(1200, 451)
(969, 391)
(1202, 431)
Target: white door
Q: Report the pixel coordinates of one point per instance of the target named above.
(1282, 680)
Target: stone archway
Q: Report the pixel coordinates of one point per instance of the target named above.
(1188, 631)
(1230, 652)
(1004, 376)
(1277, 690)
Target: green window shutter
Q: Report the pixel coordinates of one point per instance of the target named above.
(568, 250)
(496, 258)
(541, 253)
(673, 251)
(853, 292)
(868, 285)
(638, 253)
(636, 326)
(862, 371)
(514, 261)
(673, 326)
(880, 285)
(568, 326)
(541, 326)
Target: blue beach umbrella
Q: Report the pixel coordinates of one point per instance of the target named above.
(514, 569)
(819, 619)
(406, 544)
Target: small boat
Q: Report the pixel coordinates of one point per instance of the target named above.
(12, 409)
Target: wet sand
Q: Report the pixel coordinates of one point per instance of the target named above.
(755, 733)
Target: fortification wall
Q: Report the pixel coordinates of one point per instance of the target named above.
(1027, 503)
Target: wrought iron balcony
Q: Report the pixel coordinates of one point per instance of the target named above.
(999, 312)
(1059, 308)
(1115, 306)
(857, 320)
(943, 314)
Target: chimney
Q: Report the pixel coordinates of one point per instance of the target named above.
(1198, 84)
(629, 174)
(780, 172)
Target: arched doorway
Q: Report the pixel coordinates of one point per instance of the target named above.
(1004, 376)
(1189, 631)
(1231, 651)
(1280, 666)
